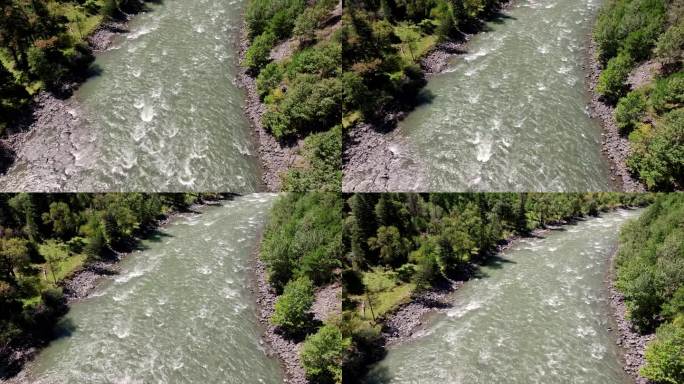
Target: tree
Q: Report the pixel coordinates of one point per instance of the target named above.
(293, 306)
(63, 221)
(322, 355)
(14, 254)
(392, 247)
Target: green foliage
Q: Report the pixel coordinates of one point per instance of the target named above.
(303, 238)
(668, 93)
(629, 27)
(665, 355)
(649, 264)
(310, 104)
(657, 154)
(630, 110)
(259, 52)
(323, 169)
(392, 248)
(670, 46)
(611, 83)
(273, 16)
(293, 306)
(322, 355)
(444, 235)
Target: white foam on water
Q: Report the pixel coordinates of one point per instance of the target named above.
(462, 311)
(147, 113)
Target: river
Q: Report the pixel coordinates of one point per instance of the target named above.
(539, 314)
(511, 114)
(163, 114)
(180, 311)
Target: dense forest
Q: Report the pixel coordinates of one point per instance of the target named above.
(397, 245)
(650, 274)
(43, 46)
(302, 251)
(633, 37)
(295, 54)
(383, 43)
(45, 238)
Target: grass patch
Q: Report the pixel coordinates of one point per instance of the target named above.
(60, 262)
(414, 43)
(385, 291)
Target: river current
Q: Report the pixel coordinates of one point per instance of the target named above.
(163, 112)
(511, 114)
(539, 314)
(180, 311)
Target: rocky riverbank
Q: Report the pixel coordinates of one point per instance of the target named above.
(276, 156)
(633, 344)
(328, 303)
(614, 146)
(50, 142)
(378, 161)
(287, 351)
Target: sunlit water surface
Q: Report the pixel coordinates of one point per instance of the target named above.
(180, 311)
(511, 114)
(539, 315)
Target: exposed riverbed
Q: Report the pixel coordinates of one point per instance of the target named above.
(538, 314)
(181, 310)
(164, 112)
(511, 114)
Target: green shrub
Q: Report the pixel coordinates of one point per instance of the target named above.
(269, 78)
(665, 356)
(322, 355)
(670, 46)
(323, 168)
(293, 306)
(668, 93)
(630, 110)
(309, 104)
(611, 83)
(259, 53)
(658, 153)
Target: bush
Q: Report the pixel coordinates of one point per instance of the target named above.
(310, 104)
(665, 356)
(322, 355)
(630, 110)
(658, 153)
(259, 53)
(670, 46)
(611, 82)
(323, 171)
(269, 78)
(293, 306)
(668, 93)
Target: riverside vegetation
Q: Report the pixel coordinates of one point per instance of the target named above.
(633, 37)
(384, 42)
(295, 54)
(399, 246)
(45, 239)
(650, 274)
(302, 252)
